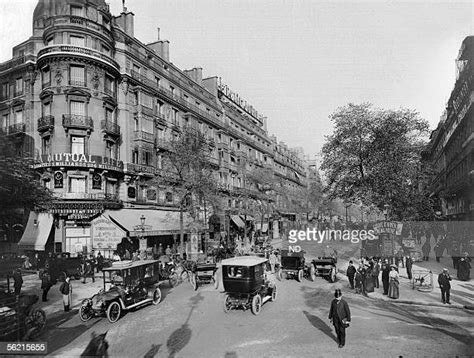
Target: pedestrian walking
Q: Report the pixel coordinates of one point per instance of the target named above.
(17, 282)
(438, 249)
(426, 248)
(340, 315)
(409, 265)
(88, 271)
(375, 273)
(445, 286)
(393, 288)
(46, 285)
(358, 280)
(100, 262)
(273, 260)
(66, 291)
(350, 273)
(385, 277)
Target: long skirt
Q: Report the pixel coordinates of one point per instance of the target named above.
(393, 291)
(369, 284)
(464, 270)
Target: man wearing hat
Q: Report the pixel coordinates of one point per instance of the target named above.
(444, 285)
(340, 315)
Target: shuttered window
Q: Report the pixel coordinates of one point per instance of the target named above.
(78, 108)
(77, 76)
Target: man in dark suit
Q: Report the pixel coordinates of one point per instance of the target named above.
(351, 270)
(445, 285)
(340, 316)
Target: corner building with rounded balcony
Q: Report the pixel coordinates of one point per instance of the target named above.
(96, 108)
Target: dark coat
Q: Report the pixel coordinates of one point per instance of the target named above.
(351, 270)
(46, 281)
(385, 273)
(17, 279)
(339, 312)
(409, 262)
(443, 281)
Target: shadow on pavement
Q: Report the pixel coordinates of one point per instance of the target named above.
(320, 324)
(153, 351)
(419, 315)
(230, 355)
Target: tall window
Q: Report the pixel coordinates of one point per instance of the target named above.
(136, 70)
(19, 86)
(77, 145)
(78, 108)
(109, 85)
(175, 116)
(160, 108)
(46, 109)
(135, 156)
(146, 100)
(146, 158)
(46, 145)
(18, 118)
(109, 115)
(147, 125)
(46, 77)
(5, 90)
(77, 11)
(157, 80)
(4, 124)
(77, 76)
(77, 40)
(110, 149)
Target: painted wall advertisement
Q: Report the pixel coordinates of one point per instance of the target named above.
(105, 234)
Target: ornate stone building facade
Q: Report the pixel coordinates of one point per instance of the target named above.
(96, 108)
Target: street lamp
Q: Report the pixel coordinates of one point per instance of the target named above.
(385, 212)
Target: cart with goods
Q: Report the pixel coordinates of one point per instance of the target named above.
(422, 280)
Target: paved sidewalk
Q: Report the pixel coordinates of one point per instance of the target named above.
(462, 292)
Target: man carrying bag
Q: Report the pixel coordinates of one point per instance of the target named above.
(340, 315)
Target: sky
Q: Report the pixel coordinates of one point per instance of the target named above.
(297, 61)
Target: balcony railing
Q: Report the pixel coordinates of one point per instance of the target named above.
(110, 127)
(77, 83)
(145, 136)
(82, 51)
(77, 121)
(16, 128)
(76, 20)
(14, 62)
(45, 123)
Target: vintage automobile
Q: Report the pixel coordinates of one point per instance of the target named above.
(127, 285)
(20, 320)
(62, 264)
(293, 265)
(246, 284)
(325, 266)
(204, 272)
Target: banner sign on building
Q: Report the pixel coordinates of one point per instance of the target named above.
(106, 234)
(388, 227)
(78, 160)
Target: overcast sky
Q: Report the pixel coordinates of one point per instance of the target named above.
(297, 61)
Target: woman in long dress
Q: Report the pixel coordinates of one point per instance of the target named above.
(393, 291)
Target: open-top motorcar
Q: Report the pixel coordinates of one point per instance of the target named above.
(293, 265)
(325, 266)
(246, 284)
(127, 285)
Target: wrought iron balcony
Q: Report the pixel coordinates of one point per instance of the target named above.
(110, 127)
(17, 128)
(144, 136)
(77, 121)
(45, 123)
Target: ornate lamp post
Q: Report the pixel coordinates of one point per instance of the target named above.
(141, 238)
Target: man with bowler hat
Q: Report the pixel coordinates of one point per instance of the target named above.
(340, 315)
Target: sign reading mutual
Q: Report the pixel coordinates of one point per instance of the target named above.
(388, 227)
(106, 234)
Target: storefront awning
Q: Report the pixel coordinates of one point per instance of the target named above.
(157, 222)
(237, 220)
(37, 232)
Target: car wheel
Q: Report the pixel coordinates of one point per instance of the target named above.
(300, 276)
(227, 304)
(274, 294)
(173, 279)
(332, 275)
(256, 304)
(312, 273)
(85, 313)
(39, 319)
(195, 283)
(156, 296)
(280, 274)
(216, 280)
(113, 312)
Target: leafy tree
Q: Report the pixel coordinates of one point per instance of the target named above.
(187, 170)
(374, 157)
(20, 188)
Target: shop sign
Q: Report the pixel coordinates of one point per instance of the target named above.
(106, 234)
(78, 160)
(388, 227)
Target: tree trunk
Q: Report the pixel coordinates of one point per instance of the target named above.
(181, 227)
